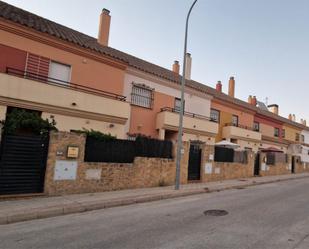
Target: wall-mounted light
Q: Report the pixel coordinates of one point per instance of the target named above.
(111, 125)
(73, 104)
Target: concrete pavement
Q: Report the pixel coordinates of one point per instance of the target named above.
(12, 211)
(270, 216)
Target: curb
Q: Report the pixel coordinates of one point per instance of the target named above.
(77, 207)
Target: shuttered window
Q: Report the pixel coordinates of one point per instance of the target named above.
(142, 96)
(59, 73)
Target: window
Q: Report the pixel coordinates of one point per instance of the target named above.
(142, 96)
(302, 138)
(276, 132)
(177, 106)
(283, 133)
(256, 126)
(60, 73)
(215, 115)
(297, 137)
(235, 120)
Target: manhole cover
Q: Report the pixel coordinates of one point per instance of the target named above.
(215, 212)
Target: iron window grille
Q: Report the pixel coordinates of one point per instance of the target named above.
(215, 115)
(235, 120)
(256, 126)
(276, 132)
(142, 96)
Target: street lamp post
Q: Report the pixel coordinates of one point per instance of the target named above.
(183, 81)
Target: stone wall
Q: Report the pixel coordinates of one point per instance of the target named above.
(277, 169)
(217, 171)
(300, 167)
(97, 177)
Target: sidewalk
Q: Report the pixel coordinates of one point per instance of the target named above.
(42, 207)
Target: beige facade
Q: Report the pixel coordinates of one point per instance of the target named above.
(69, 123)
(2, 112)
(237, 132)
(72, 109)
(203, 128)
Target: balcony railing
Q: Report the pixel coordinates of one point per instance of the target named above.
(242, 127)
(61, 83)
(188, 114)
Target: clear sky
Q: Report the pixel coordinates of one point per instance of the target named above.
(264, 44)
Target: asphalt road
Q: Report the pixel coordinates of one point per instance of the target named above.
(261, 217)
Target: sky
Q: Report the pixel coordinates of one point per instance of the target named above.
(264, 44)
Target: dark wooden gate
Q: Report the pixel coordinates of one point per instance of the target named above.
(194, 167)
(22, 164)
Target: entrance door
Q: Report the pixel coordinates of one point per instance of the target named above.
(194, 167)
(293, 165)
(257, 165)
(22, 164)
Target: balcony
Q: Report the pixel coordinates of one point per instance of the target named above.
(168, 119)
(40, 92)
(240, 132)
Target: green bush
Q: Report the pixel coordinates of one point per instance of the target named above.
(97, 135)
(20, 120)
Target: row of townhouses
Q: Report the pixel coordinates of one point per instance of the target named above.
(81, 82)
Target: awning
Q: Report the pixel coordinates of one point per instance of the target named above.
(227, 144)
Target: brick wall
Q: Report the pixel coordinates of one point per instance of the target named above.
(97, 177)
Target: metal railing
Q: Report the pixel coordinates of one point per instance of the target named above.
(242, 127)
(188, 114)
(61, 83)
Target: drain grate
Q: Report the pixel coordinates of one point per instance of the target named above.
(216, 212)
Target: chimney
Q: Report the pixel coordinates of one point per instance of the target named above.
(219, 86)
(250, 99)
(290, 117)
(254, 101)
(104, 26)
(294, 118)
(274, 109)
(176, 67)
(301, 121)
(188, 66)
(232, 87)
(305, 122)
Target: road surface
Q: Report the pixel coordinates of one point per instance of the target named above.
(261, 217)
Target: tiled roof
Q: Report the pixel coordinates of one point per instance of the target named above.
(59, 31)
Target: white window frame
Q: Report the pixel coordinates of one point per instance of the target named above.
(57, 79)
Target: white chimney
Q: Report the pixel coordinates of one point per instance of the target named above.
(188, 66)
(294, 118)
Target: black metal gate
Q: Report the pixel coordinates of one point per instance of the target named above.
(293, 165)
(257, 165)
(22, 164)
(194, 167)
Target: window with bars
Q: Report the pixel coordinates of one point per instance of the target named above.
(297, 137)
(142, 96)
(283, 133)
(256, 126)
(177, 105)
(235, 120)
(276, 132)
(215, 115)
